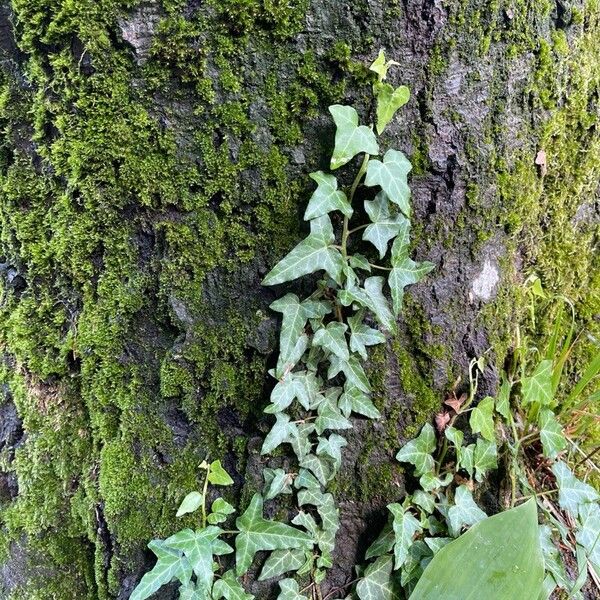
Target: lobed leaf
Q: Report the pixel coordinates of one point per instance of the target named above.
(326, 198)
(391, 176)
(350, 137)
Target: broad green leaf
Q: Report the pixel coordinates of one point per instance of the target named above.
(312, 254)
(301, 385)
(455, 436)
(197, 547)
(306, 480)
(222, 506)
(350, 138)
(332, 446)
(499, 558)
(311, 496)
(424, 500)
(464, 512)
(384, 226)
(189, 591)
(333, 338)
(306, 520)
(379, 303)
(485, 458)
(418, 452)
(572, 493)
(588, 535)
(391, 176)
(503, 401)
(229, 587)
(362, 335)
(405, 272)
(282, 432)
(430, 481)
(551, 434)
(384, 542)
(190, 503)
(300, 439)
(482, 419)
(170, 565)
(217, 475)
(405, 527)
(318, 466)
(352, 369)
(380, 66)
(418, 555)
(466, 459)
(538, 387)
(330, 417)
(377, 582)
(355, 400)
(389, 100)
(292, 328)
(282, 561)
(219, 547)
(290, 590)
(277, 481)
(326, 198)
(256, 533)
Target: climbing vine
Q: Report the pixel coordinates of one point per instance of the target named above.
(320, 376)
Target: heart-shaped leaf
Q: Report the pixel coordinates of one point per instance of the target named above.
(350, 137)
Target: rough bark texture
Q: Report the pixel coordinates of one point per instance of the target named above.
(153, 164)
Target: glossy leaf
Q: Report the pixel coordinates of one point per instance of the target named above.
(551, 434)
(384, 226)
(362, 335)
(318, 466)
(377, 582)
(418, 452)
(485, 458)
(326, 198)
(380, 66)
(405, 527)
(332, 446)
(256, 533)
(277, 481)
(333, 338)
(391, 176)
(217, 475)
(190, 503)
(379, 303)
(538, 387)
(282, 561)
(229, 588)
(350, 137)
(572, 493)
(405, 272)
(464, 512)
(355, 400)
(312, 254)
(290, 590)
(389, 100)
(498, 558)
(482, 419)
(384, 542)
(281, 432)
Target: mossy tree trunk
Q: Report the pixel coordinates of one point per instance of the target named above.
(153, 164)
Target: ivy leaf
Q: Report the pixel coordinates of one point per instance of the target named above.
(355, 400)
(329, 515)
(300, 440)
(384, 542)
(552, 560)
(170, 565)
(405, 527)
(188, 591)
(220, 511)
(282, 561)
(219, 547)
(190, 503)
(551, 434)
(326, 198)
(358, 261)
(306, 480)
(332, 447)
(217, 475)
(503, 401)
(466, 459)
(377, 582)
(405, 272)
(424, 500)
(464, 512)
(482, 419)
(381, 67)
(429, 481)
(384, 226)
(389, 100)
(333, 338)
(350, 138)
(418, 452)
(318, 466)
(229, 587)
(306, 520)
(572, 493)
(312, 254)
(197, 547)
(538, 387)
(588, 535)
(256, 533)
(485, 458)
(281, 432)
(455, 436)
(290, 590)
(277, 481)
(352, 369)
(292, 328)
(330, 417)
(401, 245)
(391, 176)
(302, 385)
(378, 302)
(362, 335)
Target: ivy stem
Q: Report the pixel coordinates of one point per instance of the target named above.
(204, 490)
(351, 231)
(378, 267)
(355, 184)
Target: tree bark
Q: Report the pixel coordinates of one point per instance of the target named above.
(153, 166)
